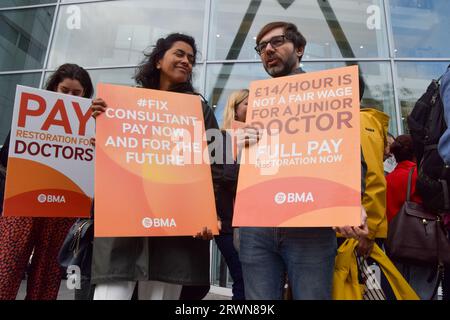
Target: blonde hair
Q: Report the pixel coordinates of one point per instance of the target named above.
(234, 100)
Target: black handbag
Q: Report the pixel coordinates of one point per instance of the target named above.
(77, 247)
(417, 236)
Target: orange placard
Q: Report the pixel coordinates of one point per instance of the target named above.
(305, 171)
(51, 161)
(151, 175)
(237, 124)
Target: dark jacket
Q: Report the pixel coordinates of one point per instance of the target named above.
(178, 260)
(226, 194)
(3, 163)
(4, 151)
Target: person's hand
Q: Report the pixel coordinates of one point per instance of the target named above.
(246, 137)
(365, 247)
(205, 234)
(355, 232)
(98, 106)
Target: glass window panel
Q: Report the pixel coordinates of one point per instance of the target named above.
(222, 79)
(120, 76)
(220, 274)
(117, 32)
(78, 1)
(20, 3)
(421, 27)
(24, 37)
(8, 85)
(333, 29)
(123, 76)
(413, 80)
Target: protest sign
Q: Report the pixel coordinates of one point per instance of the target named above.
(305, 170)
(51, 161)
(151, 177)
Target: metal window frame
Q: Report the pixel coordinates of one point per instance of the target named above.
(391, 59)
(391, 50)
(32, 6)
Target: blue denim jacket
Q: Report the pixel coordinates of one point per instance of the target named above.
(444, 141)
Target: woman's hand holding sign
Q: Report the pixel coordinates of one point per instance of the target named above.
(98, 107)
(358, 232)
(205, 234)
(246, 137)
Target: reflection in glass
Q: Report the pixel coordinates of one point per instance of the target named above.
(413, 80)
(120, 76)
(222, 79)
(220, 275)
(117, 32)
(421, 28)
(20, 3)
(7, 92)
(333, 29)
(24, 37)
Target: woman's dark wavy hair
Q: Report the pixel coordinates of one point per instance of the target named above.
(402, 148)
(147, 75)
(74, 72)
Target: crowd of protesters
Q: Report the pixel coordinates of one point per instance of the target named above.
(261, 260)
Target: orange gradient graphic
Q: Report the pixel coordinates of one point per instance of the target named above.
(309, 174)
(149, 199)
(41, 191)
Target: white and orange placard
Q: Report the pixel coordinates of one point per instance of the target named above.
(151, 178)
(51, 161)
(305, 170)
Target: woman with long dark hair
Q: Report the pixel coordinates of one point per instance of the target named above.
(160, 265)
(21, 237)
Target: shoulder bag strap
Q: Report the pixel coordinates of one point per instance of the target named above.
(445, 194)
(408, 190)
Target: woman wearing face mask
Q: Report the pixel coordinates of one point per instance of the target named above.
(21, 237)
(160, 265)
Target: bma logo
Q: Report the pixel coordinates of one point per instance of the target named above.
(293, 197)
(158, 223)
(51, 198)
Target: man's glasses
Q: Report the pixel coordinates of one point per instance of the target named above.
(275, 42)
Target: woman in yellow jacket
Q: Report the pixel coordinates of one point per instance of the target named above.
(374, 126)
(374, 130)
(346, 284)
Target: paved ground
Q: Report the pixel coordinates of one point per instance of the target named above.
(66, 294)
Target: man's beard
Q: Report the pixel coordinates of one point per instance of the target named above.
(287, 68)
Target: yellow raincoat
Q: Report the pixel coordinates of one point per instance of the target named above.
(374, 126)
(345, 278)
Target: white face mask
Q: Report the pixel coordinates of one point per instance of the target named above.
(389, 164)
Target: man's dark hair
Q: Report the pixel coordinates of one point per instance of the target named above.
(290, 31)
(74, 72)
(147, 75)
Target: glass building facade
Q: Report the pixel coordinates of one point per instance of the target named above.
(399, 45)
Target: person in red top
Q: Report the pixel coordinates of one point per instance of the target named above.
(397, 180)
(422, 278)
